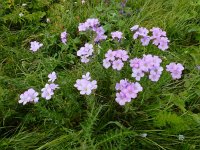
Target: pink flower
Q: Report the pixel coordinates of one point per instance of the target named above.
(94, 25)
(143, 31)
(175, 70)
(117, 35)
(127, 91)
(121, 54)
(135, 27)
(29, 96)
(145, 40)
(154, 77)
(135, 63)
(130, 92)
(135, 36)
(117, 64)
(148, 64)
(52, 77)
(163, 46)
(157, 32)
(84, 59)
(110, 55)
(158, 37)
(82, 27)
(85, 52)
(35, 46)
(116, 58)
(156, 70)
(84, 85)
(106, 63)
(63, 37)
(48, 91)
(137, 87)
(86, 76)
(137, 74)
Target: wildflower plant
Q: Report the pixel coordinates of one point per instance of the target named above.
(85, 85)
(48, 90)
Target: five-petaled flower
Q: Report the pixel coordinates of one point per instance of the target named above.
(35, 46)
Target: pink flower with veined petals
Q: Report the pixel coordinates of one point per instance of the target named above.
(110, 55)
(137, 74)
(117, 64)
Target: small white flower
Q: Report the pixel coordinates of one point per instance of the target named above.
(24, 4)
(181, 137)
(48, 20)
(83, 1)
(143, 135)
(21, 14)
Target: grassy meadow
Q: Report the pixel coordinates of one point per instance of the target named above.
(162, 113)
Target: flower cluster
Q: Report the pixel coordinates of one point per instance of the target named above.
(85, 52)
(148, 64)
(175, 70)
(63, 37)
(94, 25)
(29, 96)
(117, 35)
(141, 32)
(35, 46)
(127, 91)
(115, 58)
(48, 90)
(158, 36)
(85, 85)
